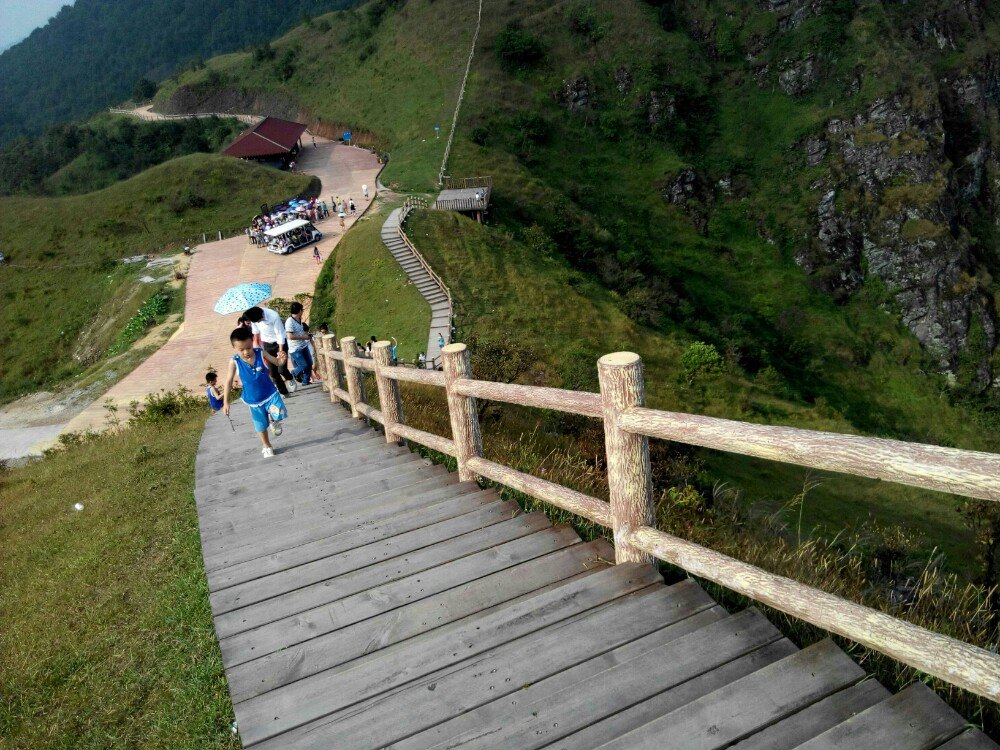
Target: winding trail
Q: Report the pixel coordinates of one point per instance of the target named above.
(203, 339)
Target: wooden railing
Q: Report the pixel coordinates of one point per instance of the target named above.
(466, 183)
(408, 207)
(146, 115)
(628, 425)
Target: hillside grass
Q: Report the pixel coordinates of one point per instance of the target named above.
(413, 56)
(105, 622)
(569, 321)
(375, 298)
(65, 295)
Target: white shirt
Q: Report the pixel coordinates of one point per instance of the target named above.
(294, 326)
(271, 329)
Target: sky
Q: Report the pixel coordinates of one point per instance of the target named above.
(18, 18)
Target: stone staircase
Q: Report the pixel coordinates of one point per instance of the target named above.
(430, 287)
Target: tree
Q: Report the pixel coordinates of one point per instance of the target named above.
(144, 90)
(500, 358)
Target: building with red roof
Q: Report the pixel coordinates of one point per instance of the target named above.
(271, 140)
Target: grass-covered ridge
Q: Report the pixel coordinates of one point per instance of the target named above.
(105, 624)
(389, 71)
(64, 293)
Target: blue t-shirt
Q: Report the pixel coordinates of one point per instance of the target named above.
(215, 403)
(257, 384)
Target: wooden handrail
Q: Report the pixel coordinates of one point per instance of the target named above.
(968, 473)
(628, 425)
(962, 664)
(420, 258)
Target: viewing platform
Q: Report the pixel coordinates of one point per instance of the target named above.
(469, 195)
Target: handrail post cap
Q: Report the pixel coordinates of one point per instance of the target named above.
(619, 359)
(381, 345)
(453, 348)
(325, 336)
(352, 339)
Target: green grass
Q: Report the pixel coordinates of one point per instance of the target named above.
(105, 624)
(570, 321)
(65, 295)
(414, 58)
(378, 300)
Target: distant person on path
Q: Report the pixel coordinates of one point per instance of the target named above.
(251, 364)
(354, 208)
(422, 360)
(341, 219)
(269, 330)
(364, 189)
(314, 141)
(393, 352)
(316, 254)
(213, 391)
(298, 345)
(441, 340)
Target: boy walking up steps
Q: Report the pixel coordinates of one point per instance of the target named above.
(266, 407)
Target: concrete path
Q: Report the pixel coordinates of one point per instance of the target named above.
(203, 339)
(426, 284)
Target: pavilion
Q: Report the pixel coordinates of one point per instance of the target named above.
(272, 141)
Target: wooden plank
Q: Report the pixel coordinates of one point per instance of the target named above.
(506, 671)
(812, 720)
(743, 707)
(528, 686)
(363, 624)
(536, 724)
(258, 501)
(358, 535)
(560, 399)
(247, 530)
(275, 584)
(339, 587)
(226, 552)
(970, 739)
(642, 713)
(317, 696)
(913, 719)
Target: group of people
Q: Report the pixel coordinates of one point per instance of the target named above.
(264, 345)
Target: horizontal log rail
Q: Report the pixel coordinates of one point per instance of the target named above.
(968, 473)
(407, 210)
(961, 664)
(559, 399)
(628, 426)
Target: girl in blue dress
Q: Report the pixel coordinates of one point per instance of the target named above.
(266, 407)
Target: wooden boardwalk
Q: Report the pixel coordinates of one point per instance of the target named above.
(365, 598)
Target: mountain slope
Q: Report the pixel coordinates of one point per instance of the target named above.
(94, 51)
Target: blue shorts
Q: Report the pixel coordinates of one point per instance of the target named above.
(272, 410)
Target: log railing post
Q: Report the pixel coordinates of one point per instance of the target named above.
(388, 390)
(461, 409)
(355, 380)
(629, 473)
(324, 364)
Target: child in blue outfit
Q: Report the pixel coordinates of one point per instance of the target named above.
(213, 391)
(266, 407)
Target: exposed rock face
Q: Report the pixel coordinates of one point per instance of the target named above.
(186, 100)
(623, 80)
(689, 191)
(899, 202)
(797, 76)
(792, 13)
(575, 95)
(662, 106)
(816, 149)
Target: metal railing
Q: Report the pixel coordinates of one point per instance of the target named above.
(628, 425)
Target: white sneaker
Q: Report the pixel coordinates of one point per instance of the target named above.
(267, 452)
(291, 385)
(276, 428)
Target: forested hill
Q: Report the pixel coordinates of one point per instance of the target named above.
(93, 52)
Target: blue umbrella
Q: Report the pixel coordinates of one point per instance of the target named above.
(243, 296)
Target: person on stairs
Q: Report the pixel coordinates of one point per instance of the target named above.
(251, 364)
(298, 345)
(269, 332)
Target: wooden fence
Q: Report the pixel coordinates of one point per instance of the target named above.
(467, 183)
(409, 205)
(628, 425)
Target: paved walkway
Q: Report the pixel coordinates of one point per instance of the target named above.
(364, 598)
(203, 339)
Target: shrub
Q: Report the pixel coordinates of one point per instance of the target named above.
(582, 19)
(263, 53)
(144, 90)
(700, 359)
(538, 241)
(517, 49)
(151, 309)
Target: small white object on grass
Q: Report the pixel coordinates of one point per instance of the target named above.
(78, 506)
